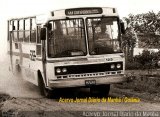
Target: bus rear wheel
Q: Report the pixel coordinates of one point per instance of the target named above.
(43, 90)
(100, 90)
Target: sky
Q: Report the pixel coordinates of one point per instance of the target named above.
(22, 8)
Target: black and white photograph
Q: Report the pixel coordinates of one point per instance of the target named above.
(80, 58)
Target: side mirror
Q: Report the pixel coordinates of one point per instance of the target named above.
(43, 34)
(122, 27)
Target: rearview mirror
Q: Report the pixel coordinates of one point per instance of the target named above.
(43, 34)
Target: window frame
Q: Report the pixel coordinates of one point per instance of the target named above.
(20, 30)
(84, 31)
(28, 29)
(15, 30)
(118, 24)
(35, 30)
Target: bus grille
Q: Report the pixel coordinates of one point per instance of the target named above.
(88, 69)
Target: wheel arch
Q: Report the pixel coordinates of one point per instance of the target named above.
(40, 76)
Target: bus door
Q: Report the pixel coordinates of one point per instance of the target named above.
(41, 53)
(38, 45)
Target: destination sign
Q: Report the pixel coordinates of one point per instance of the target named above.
(83, 11)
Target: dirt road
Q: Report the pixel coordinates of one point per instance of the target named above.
(39, 104)
(24, 99)
(52, 107)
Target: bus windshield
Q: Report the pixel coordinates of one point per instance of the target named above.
(103, 35)
(66, 38)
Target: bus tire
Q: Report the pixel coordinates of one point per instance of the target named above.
(43, 90)
(100, 90)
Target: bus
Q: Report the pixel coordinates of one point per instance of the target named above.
(69, 48)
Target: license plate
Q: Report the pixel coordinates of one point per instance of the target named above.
(90, 82)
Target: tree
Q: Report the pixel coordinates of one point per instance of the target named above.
(128, 40)
(147, 28)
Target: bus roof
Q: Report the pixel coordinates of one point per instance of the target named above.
(73, 13)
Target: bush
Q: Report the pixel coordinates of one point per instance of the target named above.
(133, 65)
(146, 60)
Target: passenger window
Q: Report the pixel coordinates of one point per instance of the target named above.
(15, 25)
(27, 30)
(33, 30)
(21, 25)
(38, 34)
(11, 30)
(33, 24)
(21, 30)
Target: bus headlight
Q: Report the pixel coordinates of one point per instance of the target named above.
(118, 66)
(112, 66)
(64, 70)
(58, 70)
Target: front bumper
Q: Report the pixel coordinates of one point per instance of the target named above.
(80, 82)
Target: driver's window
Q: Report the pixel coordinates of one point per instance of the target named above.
(115, 30)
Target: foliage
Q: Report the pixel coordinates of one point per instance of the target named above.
(146, 60)
(149, 41)
(146, 28)
(128, 40)
(145, 22)
(133, 65)
(147, 25)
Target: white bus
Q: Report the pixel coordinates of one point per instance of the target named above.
(77, 47)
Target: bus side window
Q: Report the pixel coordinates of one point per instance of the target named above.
(10, 30)
(21, 30)
(33, 30)
(38, 45)
(15, 35)
(38, 34)
(27, 30)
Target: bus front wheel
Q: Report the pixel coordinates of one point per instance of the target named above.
(100, 90)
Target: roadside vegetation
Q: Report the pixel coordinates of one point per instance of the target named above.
(143, 70)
